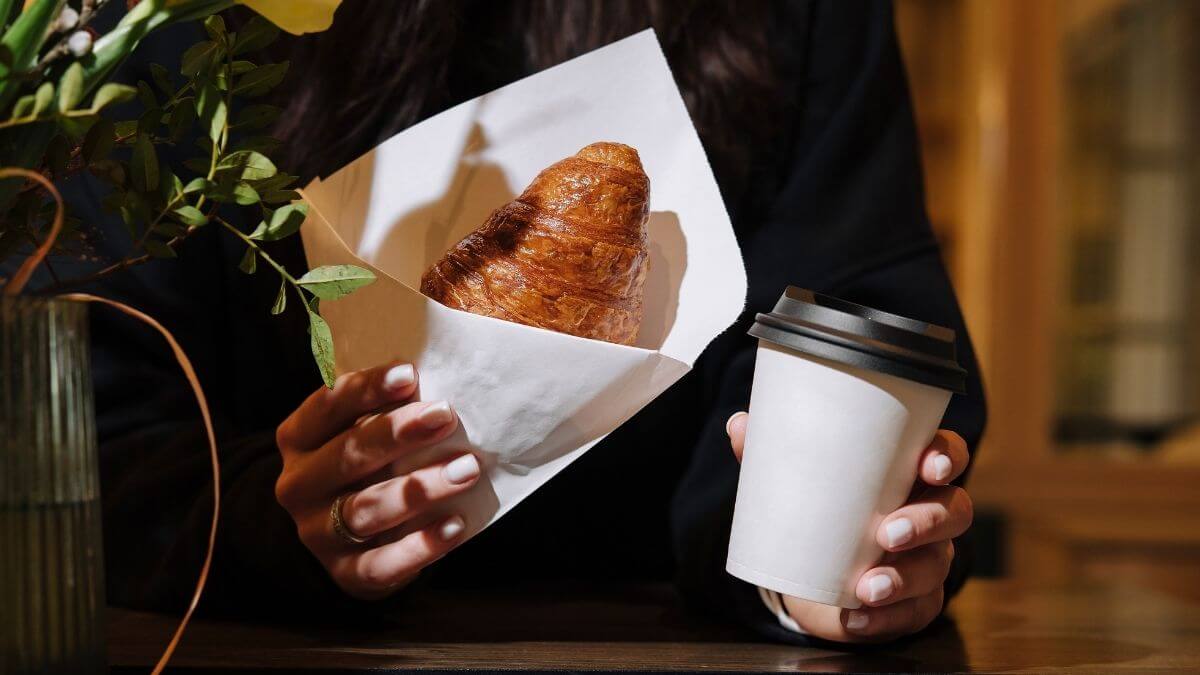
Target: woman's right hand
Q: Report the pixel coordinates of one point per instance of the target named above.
(341, 442)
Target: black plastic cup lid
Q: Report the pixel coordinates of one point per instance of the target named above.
(829, 328)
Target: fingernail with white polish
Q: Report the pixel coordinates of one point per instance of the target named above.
(879, 587)
(399, 377)
(461, 470)
(435, 416)
(857, 620)
(899, 531)
(729, 422)
(453, 527)
(941, 467)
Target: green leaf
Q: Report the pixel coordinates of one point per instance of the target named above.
(280, 300)
(22, 42)
(149, 121)
(247, 165)
(264, 144)
(190, 216)
(199, 57)
(280, 196)
(170, 229)
(112, 94)
(23, 107)
(127, 130)
(279, 181)
(99, 141)
(143, 166)
(205, 145)
(197, 185)
(335, 281)
(244, 195)
(43, 98)
(210, 108)
(146, 95)
(176, 186)
(239, 193)
(181, 120)
(110, 171)
(261, 79)
(138, 206)
(215, 27)
(76, 126)
(70, 88)
(197, 164)
(240, 67)
(249, 261)
(285, 221)
(162, 79)
(257, 116)
(159, 249)
(322, 347)
(256, 34)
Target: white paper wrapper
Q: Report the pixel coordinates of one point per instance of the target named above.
(531, 401)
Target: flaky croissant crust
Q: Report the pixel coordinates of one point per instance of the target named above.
(569, 254)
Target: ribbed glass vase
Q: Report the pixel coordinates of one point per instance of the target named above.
(51, 560)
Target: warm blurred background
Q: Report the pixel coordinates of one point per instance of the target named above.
(1059, 141)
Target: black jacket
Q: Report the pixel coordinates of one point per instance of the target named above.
(840, 209)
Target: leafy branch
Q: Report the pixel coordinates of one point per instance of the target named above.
(162, 205)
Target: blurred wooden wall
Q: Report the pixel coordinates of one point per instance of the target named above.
(987, 88)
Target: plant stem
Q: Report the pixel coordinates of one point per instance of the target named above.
(31, 119)
(157, 219)
(122, 264)
(261, 253)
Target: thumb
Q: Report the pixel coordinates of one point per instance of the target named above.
(736, 428)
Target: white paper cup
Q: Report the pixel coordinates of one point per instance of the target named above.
(839, 416)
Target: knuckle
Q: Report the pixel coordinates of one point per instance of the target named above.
(919, 616)
(353, 456)
(963, 498)
(358, 513)
(375, 574)
(933, 608)
(398, 421)
(928, 520)
(285, 489)
(939, 558)
(415, 491)
(346, 381)
(309, 535)
(342, 572)
(956, 442)
(285, 434)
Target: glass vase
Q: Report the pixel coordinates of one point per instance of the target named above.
(51, 560)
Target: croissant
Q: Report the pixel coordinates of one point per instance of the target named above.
(569, 254)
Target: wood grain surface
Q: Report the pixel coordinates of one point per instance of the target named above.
(992, 627)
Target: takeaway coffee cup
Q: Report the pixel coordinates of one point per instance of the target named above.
(845, 398)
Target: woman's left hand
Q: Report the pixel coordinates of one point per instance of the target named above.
(903, 593)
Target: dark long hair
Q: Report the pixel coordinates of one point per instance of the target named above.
(386, 64)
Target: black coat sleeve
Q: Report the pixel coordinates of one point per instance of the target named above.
(849, 220)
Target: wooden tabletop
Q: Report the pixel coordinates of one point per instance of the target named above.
(993, 627)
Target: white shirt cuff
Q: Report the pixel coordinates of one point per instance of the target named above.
(774, 603)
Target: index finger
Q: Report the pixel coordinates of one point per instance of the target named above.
(327, 412)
